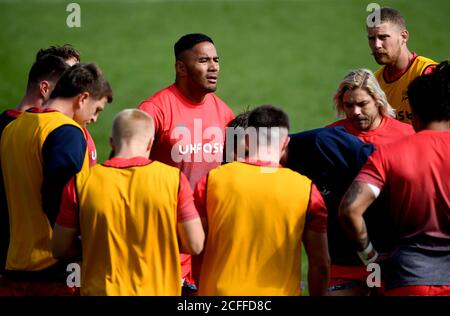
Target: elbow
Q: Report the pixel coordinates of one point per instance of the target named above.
(196, 247)
(192, 237)
(325, 263)
(61, 250)
(325, 266)
(321, 265)
(342, 212)
(319, 277)
(345, 214)
(57, 252)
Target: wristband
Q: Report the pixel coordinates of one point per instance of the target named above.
(364, 255)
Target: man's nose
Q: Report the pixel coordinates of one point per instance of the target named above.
(378, 43)
(213, 66)
(355, 111)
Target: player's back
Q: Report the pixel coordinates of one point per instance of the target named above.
(129, 234)
(256, 216)
(418, 183)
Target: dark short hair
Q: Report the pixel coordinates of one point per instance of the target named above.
(393, 16)
(66, 51)
(429, 95)
(188, 41)
(268, 116)
(49, 67)
(241, 120)
(83, 78)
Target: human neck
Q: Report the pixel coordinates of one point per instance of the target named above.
(438, 126)
(61, 105)
(376, 123)
(128, 151)
(401, 63)
(265, 154)
(193, 96)
(28, 102)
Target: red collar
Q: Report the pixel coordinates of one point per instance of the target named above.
(118, 162)
(349, 127)
(40, 110)
(262, 163)
(186, 100)
(13, 113)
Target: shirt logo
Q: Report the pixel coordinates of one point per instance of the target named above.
(198, 145)
(94, 155)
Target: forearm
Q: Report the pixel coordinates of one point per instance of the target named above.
(316, 247)
(73, 253)
(353, 205)
(355, 228)
(65, 243)
(197, 267)
(318, 278)
(192, 236)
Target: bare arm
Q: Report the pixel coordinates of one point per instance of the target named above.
(64, 242)
(355, 202)
(200, 204)
(198, 260)
(192, 236)
(316, 246)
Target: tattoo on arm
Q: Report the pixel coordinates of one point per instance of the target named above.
(363, 238)
(354, 222)
(351, 194)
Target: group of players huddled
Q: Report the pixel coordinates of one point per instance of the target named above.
(196, 201)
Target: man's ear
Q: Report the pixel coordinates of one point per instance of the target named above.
(111, 143)
(81, 99)
(112, 154)
(45, 89)
(405, 36)
(180, 68)
(284, 151)
(286, 142)
(150, 144)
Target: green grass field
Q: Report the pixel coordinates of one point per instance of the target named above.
(288, 53)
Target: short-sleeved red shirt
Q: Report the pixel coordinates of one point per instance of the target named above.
(416, 172)
(188, 135)
(388, 131)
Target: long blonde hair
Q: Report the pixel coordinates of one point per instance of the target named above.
(362, 79)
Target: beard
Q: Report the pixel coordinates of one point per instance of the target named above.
(382, 58)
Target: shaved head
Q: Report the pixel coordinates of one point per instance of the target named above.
(132, 126)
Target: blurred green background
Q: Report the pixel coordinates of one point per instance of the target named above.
(288, 53)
